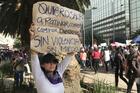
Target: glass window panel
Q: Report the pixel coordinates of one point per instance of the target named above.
(133, 10)
(133, 6)
(138, 23)
(134, 24)
(133, 15)
(138, 14)
(133, 1)
(138, 9)
(138, 3)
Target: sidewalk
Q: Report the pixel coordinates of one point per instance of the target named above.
(89, 77)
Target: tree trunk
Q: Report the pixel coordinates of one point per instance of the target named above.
(72, 78)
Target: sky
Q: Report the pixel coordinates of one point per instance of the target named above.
(6, 40)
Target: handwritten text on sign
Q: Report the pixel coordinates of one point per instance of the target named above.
(55, 42)
(53, 15)
(56, 28)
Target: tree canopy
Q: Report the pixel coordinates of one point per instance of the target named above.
(16, 15)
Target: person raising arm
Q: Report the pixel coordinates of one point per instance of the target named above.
(49, 71)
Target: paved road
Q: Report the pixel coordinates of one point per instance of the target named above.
(90, 76)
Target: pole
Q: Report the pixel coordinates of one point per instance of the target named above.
(113, 26)
(129, 19)
(84, 33)
(92, 27)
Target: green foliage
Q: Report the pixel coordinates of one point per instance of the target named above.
(5, 69)
(103, 87)
(16, 15)
(17, 43)
(99, 87)
(1, 74)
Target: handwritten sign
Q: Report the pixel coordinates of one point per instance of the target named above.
(57, 28)
(58, 43)
(53, 15)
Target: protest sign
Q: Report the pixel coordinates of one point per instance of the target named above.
(53, 15)
(56, 28)
(58, 43)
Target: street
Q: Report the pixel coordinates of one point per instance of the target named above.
(89, 77)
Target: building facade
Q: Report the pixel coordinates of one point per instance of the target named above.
(110, 20)
(134, 15)
(87, 27)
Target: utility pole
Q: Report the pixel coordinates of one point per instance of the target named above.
(113, 15)
(84, 32)
(129, 19)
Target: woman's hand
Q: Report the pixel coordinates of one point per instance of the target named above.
(32, 31)
(33, 52)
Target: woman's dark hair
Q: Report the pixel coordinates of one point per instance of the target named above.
(49, 58)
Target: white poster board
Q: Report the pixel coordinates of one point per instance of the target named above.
(56, 28)
(103, 44)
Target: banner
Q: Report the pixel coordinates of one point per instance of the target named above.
(57, 28)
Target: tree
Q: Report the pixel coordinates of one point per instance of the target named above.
(17, 43)
(16, 15)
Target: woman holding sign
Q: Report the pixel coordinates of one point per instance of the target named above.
(48, 73)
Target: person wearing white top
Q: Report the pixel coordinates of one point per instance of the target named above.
(48, 73)
(106, 58)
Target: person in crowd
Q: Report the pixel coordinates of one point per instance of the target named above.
(126, 52)
(48, 72)
(18, 66)
(89, 57)
(112, 56)
(102, 56)
(83, 57)
(106, 58)
(130, 73)
(95, 59)
(136, 66)
(119, 69)
(27, 67)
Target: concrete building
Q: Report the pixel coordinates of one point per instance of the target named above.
(134, 15)
(110, 20)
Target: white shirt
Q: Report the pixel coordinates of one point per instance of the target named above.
(107, 55)
(43, 85)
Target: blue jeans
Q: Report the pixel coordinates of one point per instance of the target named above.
(18, 78)
(83, 63)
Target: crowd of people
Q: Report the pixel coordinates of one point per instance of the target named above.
(19, 63)
(123, 61)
